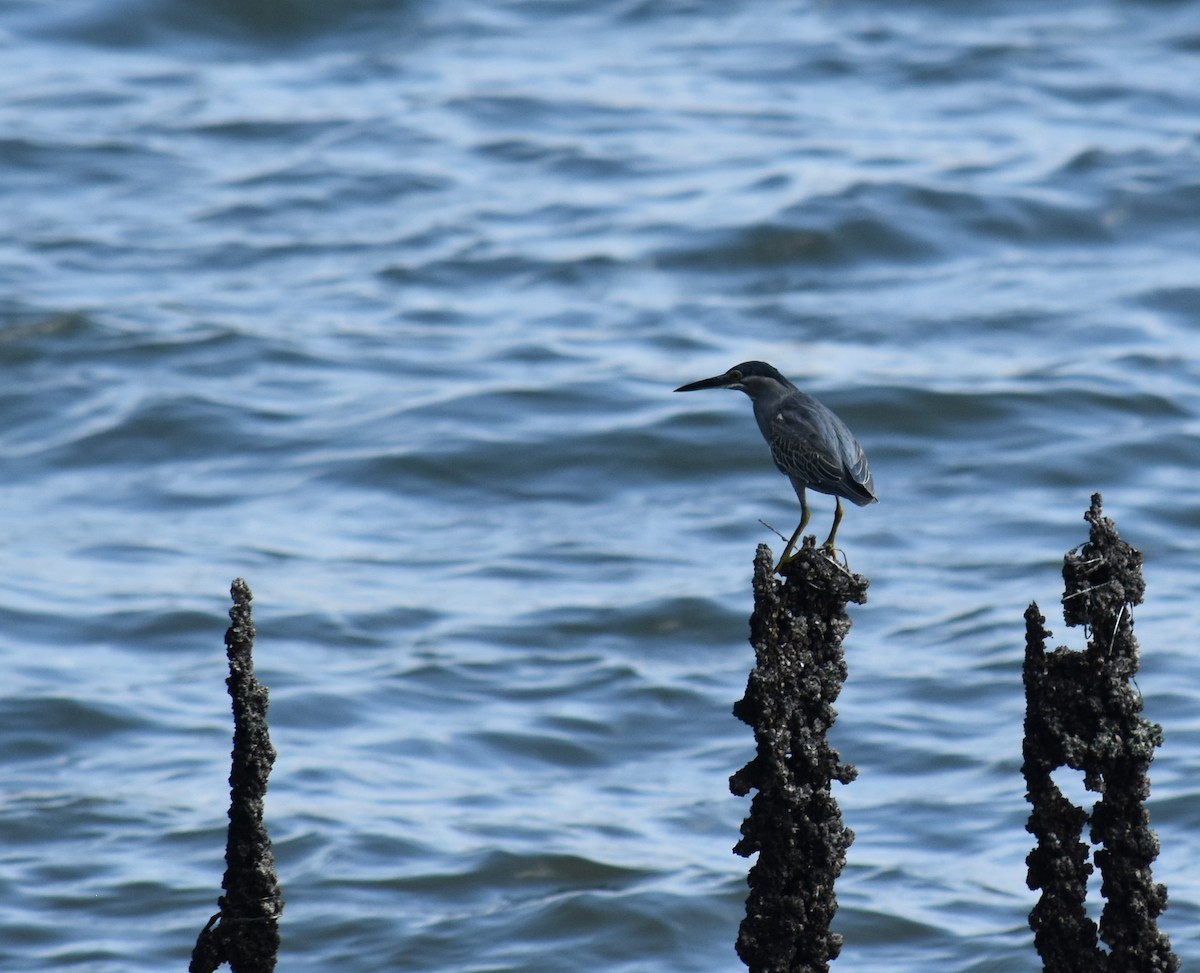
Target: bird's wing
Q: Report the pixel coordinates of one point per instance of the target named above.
(857, 468)
(800, 446)
(812, 445)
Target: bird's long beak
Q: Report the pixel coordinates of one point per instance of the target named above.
(716, 382)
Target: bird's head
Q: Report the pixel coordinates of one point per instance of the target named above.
(751, 377)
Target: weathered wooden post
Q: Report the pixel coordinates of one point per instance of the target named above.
(795, 825)
(1083, 711)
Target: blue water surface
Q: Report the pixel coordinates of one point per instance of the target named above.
(380, 305)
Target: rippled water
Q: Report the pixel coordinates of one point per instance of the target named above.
(380, 306)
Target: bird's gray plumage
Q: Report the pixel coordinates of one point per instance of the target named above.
(811, 446)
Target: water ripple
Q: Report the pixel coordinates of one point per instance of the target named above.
(381, 306)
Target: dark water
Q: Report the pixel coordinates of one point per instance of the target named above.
(380, 306)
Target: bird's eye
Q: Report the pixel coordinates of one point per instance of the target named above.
(735, 374)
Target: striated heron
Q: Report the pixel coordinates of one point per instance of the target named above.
(811, 446)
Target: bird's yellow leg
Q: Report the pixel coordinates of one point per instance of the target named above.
(837, 519)
(796, 536)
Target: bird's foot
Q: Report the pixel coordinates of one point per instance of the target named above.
(789, 555)
(837, 556)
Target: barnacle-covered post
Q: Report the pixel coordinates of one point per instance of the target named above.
(1084, 712)
(245, 933)
(795, 825)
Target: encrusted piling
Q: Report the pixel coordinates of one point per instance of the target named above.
(1084, 712)
(795, 825)
(245, 933)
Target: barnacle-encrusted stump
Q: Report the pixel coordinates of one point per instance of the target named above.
(1083, 711)
(245, 933)
(795, 825)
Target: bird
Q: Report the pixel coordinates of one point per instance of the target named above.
(811, 446)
